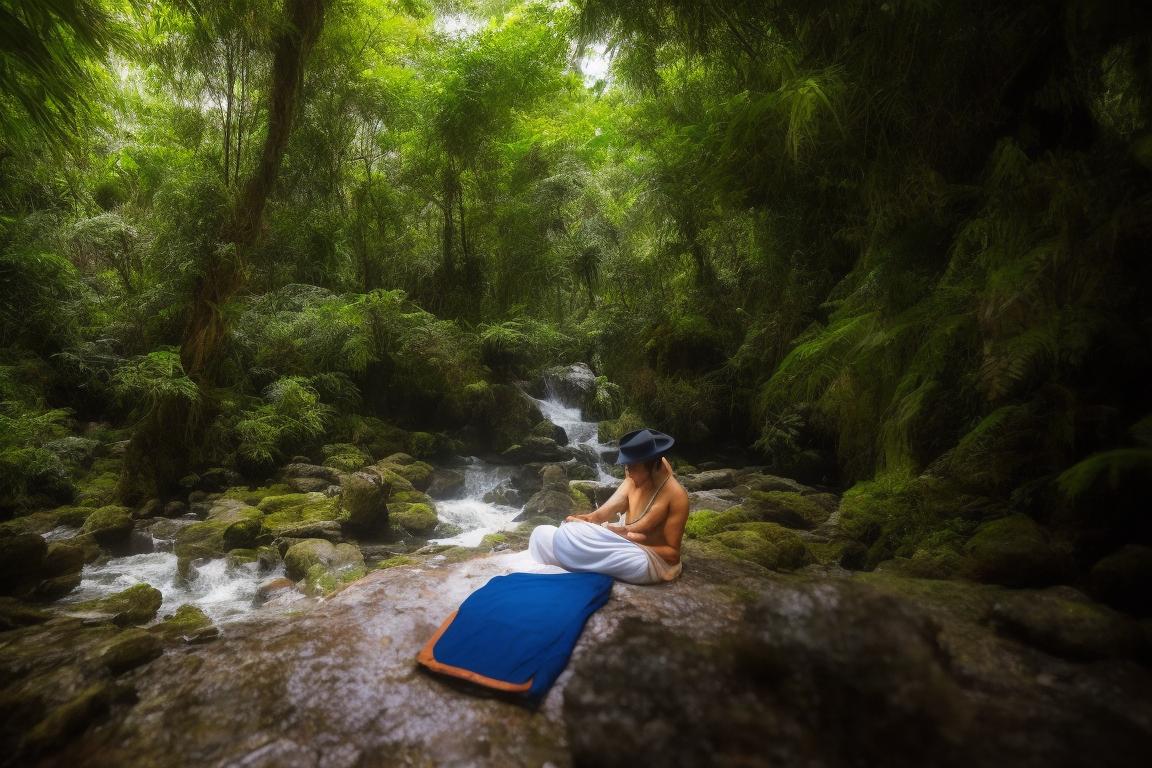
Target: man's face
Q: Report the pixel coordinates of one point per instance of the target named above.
(638, 473)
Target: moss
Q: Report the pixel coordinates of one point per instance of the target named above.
(97, 489)
(579, 500)
(705, 522)
(109, 525)
(611, 430)
(419, 519)
(493, 539)
(214, 538)
(188, 624)
(417, 473)
(322, 581)
(253, 496)
(787, 508)
(285, 512)
(394, 562)
(422, 444)
(73, 517)
(136, 605)
(350, 461)
(410, 497)
(130, 649)
(1015, 551)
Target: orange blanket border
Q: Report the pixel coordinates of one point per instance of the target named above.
(428, 659)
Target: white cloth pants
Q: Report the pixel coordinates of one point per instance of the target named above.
(584, 546)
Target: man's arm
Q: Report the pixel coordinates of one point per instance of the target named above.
(609, 510)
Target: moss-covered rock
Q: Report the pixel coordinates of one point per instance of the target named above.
(189, 624)
(1015, 551)
(393, 562)
(611, 430)
(110, 526)
(363, 502)
(230, 526)
(787, 508)
(931, 563)
(415, 518)
(130, 649)
(707, 522)
(253, 496)
(555, 505)
(98, 489)
(767, 544)
(418, 473)
(292, 510)
(16, 613)
(1065, 623)
(21, 563)
(345, 457)
(136, 605)
(323, 566)
(1124, 580)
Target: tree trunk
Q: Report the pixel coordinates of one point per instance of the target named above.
(166, 443)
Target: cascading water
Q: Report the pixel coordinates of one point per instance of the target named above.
(222, 590)
(475, 517)
(581, 434)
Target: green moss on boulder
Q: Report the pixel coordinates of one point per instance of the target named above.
(1015, 551)
(417, 519)
(322, 566)
(189, 624)
(130, 649)
(136, 605)
(253, 496)
(787, 508)
(109, 526)
(293, 510)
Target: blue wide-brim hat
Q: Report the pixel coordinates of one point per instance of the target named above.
(643, 445)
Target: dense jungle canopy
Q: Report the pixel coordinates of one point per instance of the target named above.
(895, 248)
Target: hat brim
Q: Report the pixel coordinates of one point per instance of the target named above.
(659, 445)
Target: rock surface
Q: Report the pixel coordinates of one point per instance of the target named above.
(730, 665)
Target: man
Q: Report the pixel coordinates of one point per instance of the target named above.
(635, 535)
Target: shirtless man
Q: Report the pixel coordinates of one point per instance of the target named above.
(637, 531)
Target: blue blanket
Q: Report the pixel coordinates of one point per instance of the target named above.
(516, 633)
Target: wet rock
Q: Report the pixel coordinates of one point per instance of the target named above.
(150, 508)
(130, 649)
(74, 717)
(16, 613)
(323, 566)
(135, 605)
(551, 431)
(110, 526)
(21, 562)
(526, 479)
(717, 501)
(308, 484)
(709, 481)
(272, 588)
(188, 625)
(553, 478)
(764, 482)
(533, 449)
(363, 502)
(231, 524)
(554, 505)
(596, 492)
(505, 495)
(1016, 552)
(329, 530)
(1064, 622)
(446, 484)
(1124, 580)
(175, 508)
(573, 385)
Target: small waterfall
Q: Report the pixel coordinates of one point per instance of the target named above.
(475, 517)
(221, 590)
(581, 434)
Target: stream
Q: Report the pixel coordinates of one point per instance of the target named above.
(226, 591)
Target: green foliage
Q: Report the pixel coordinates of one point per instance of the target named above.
(291, 416)
(149, 380)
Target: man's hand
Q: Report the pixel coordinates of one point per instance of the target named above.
(572, 518)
